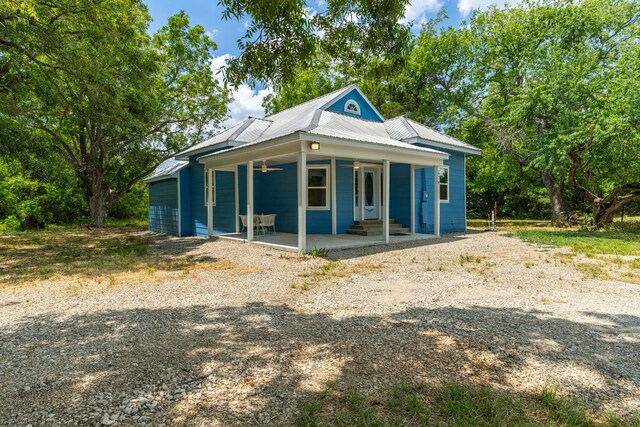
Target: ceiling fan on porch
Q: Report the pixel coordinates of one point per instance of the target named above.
(357, 164)
(265, 169)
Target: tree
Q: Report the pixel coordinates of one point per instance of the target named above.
(109, 99)
(529, 73)
(286, 36)
(605, 152)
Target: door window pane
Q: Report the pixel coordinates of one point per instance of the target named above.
(368, 189)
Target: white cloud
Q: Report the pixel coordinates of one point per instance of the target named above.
(211, 34)
(465, 7)
(246, 101)
(417, 9)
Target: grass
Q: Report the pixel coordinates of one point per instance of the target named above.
(614, 252)
(113, 255)
(608, 242)
(449, 405)
(332, 270)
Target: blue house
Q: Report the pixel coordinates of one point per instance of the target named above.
(329, 168)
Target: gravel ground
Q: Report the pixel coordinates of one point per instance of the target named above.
(244, 347)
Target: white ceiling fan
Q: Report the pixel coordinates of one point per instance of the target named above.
(357, 164)
(265, 169)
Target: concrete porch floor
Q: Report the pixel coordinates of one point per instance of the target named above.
(289, 241)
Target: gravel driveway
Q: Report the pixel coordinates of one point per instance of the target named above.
(229, 347)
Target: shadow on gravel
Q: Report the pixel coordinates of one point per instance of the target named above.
(255, 364)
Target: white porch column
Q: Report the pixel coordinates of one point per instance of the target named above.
(413, 200)
(237, 200)
(361, 192)
(302, 201)
(436, 201)
(334, 206)
(250, 200)
(385, 197)
(210, 173)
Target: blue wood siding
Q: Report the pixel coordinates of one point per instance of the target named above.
(163, 206)
(276, 192)
(198, 210)
(344, 196)
(366, 112)
(185, 202)
(400, 194)
(452, 214)
(224, 212)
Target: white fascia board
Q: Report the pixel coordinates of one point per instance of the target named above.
(161, 178)
(416, 139)
(330, 146)
(350, 149)
(227, 143)
(269, 149)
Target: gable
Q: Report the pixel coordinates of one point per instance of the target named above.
(367, 111)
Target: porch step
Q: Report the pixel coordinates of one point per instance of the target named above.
(373, 227)
(373, 221)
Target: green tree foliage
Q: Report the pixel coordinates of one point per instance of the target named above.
(545, 79)
(284, 36)
(85, 79)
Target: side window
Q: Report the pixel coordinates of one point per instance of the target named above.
(206, 187)
(317, 187)
(443, 174)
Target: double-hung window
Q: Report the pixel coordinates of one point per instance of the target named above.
(318, 187)
(443, 174)
(206, 187)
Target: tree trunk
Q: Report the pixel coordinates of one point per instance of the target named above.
(556, 197)
(96, 199)
(97, 210)
(603, 213)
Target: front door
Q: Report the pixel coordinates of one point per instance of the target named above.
(369, 189)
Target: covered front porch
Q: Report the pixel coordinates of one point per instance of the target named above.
(319, 189)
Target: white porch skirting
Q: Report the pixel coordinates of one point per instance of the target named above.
(289, 241)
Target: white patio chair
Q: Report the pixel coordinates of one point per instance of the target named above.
(243, 221)
(268, 222)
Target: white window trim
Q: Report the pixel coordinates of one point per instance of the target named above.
(326, 189)
(354, 103)
(448, 184)
(213, 190)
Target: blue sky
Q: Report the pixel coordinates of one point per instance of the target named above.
(248, 101)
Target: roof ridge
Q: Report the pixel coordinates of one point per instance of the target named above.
(243, 125)
(407, 123)
(311, 100)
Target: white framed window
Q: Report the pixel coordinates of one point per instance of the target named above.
(443, 176)
(318, 187)
(206, 187)
(352, 107)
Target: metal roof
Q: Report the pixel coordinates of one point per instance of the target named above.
(403, 128)
(166, 169)
(312, 117)
(342, 126)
